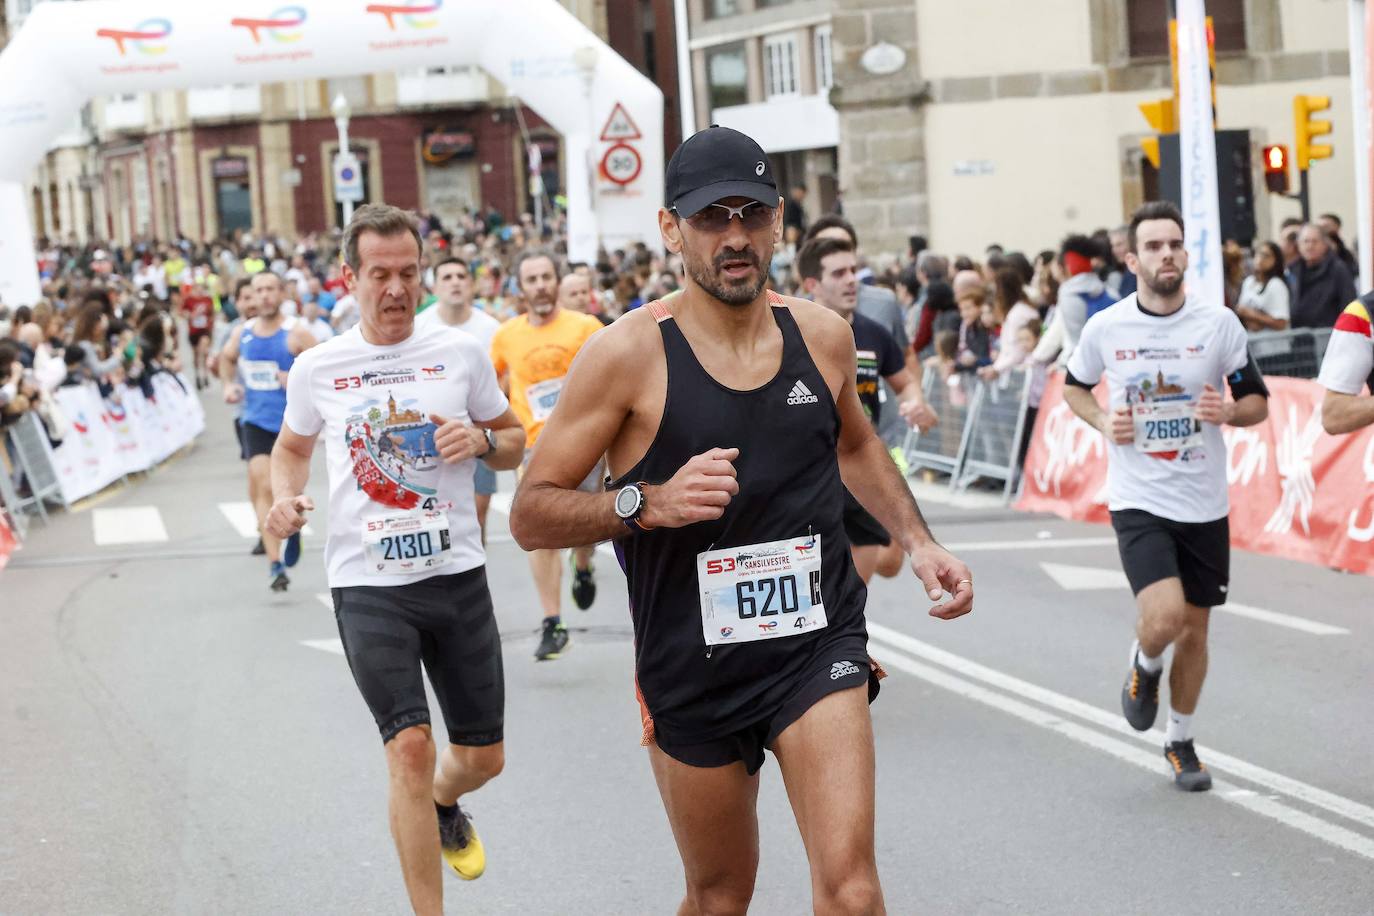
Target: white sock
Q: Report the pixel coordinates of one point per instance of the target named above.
(1180, 727)
(1150, 664)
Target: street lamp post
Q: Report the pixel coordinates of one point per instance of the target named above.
(341, 115)
(584, 58)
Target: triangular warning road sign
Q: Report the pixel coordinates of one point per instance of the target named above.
(620, 126)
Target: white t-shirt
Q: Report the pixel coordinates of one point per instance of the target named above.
(1270, 298)
(479, 324)
(373, 405)
(1158, 365)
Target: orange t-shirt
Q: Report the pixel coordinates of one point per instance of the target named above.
(537, 359)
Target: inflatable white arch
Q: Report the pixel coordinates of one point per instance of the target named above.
(65, 53)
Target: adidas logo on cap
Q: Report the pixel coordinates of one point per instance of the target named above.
(800, 394)
(842, 669)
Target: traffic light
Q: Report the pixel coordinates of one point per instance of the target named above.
(1276, 168)
(1164, 119)
(1305, 129)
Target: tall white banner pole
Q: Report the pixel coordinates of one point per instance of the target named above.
(1198, 156)
(1361, 113)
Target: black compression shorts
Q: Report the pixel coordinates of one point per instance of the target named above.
(444, 622)
(1197, 553)
(835, 665)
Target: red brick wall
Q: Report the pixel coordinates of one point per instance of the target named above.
(494, 130)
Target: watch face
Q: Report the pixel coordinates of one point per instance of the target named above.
(627, 502)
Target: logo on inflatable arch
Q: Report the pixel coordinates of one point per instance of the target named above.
(144, 37)
(411, 13)
(277, 26)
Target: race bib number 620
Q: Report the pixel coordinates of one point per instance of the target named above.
(761, 591)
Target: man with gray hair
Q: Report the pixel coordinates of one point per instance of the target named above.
(1322, 285)
(405, 416)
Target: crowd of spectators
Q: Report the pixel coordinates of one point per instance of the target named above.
(114, 315)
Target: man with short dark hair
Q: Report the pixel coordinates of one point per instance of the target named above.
(404, 414)
(453, 309)
(1165, 357)
(828, 268)
(262, 352)
(731, 452)
(880, 304)
(532, 354)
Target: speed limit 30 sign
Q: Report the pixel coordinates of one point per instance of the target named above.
(621, 164)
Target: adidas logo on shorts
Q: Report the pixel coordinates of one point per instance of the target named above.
(800, 394)
(842, 669)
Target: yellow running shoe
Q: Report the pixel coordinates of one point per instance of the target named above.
(459, 844)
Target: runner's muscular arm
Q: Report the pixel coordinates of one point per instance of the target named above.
(550, 512)
(290, 470)
(873, 477)
(1345, 413)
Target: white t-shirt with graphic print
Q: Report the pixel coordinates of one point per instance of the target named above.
(374, 405)
(1159, 364)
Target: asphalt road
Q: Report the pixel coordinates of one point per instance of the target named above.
(177, 739)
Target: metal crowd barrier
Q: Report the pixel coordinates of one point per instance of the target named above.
(996, 424)
(941, 448)
(29, 444)
(980, 430)
(1296, 353)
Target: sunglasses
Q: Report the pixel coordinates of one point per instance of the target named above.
(716, 217)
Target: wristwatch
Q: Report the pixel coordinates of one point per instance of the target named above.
(629, 505)
(491, 443)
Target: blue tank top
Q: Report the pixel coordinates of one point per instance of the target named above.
(260, 361)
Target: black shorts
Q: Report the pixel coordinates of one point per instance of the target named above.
(257, 441)
(444, 622)
(861, 527)
(238, 437)
(1154, 549)
(194, 337)
(836, 666)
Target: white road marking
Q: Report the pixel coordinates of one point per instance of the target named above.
(245, 520)
(1040, 543)
(1084, 578)
(326, 599)
(1347, 808)
(1154, 762)
(129, 525)
(1283, 620)
(1091, 578)
(325, 645)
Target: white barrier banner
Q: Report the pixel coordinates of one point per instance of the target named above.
(107, 439)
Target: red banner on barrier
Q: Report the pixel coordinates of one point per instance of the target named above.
(1296, 492)
(7, 539)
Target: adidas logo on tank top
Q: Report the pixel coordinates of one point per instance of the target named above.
(800, 394)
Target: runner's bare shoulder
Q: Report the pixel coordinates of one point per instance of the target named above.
(828, 336)
(628, 348)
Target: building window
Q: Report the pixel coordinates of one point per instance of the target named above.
(1148, 24)
(719, 9)
(727, 76)
(763, 3)
(825, 60)
(781, 66)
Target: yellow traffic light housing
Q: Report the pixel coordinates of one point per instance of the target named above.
(1306, 129)
(1163, 117)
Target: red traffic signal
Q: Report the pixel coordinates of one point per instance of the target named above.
(1276, 168)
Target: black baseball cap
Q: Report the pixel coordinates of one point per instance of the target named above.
(716, 163)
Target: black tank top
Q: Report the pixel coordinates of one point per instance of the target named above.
(789, 481)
